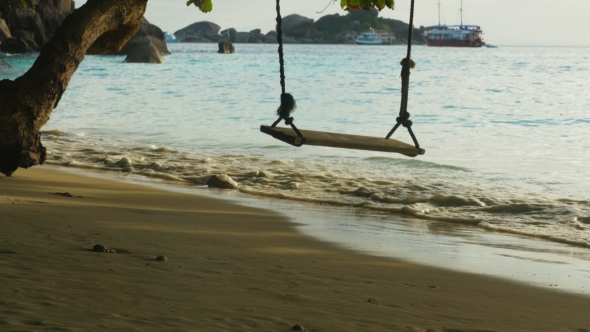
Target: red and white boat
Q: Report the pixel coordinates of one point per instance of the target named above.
(463, 35)
(455, 36)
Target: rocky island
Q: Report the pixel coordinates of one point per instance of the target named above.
(329, 29)
(27, 27)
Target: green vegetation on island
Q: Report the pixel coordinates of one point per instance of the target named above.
(329, 29)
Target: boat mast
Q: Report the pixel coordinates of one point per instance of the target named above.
(461, 13)
(438, 12)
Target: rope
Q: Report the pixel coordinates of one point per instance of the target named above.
(288, 104)
(407, 64)
(280, 40)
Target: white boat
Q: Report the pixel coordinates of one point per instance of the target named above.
(170, 38)
(369, 38)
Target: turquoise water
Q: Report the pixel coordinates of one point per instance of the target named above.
(505, 130)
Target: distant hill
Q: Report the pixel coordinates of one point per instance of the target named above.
(329, 29)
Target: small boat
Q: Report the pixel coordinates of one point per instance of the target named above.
(491, 46)
(170, 38)
(368, 38)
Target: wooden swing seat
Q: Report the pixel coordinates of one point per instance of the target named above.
(345, 141)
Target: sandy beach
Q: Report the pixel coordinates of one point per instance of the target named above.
(228, 268)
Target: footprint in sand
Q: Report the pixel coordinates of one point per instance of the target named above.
(64, 194)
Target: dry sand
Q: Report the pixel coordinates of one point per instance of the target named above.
(228, 268)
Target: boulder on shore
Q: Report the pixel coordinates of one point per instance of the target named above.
(27, 24)
(195, 39)
(4, 65)
(329, 21)
(226, 47)
(34, 23)
(231, 33)
(346, 37)
(145, 54)
(199, 29)
(221, 181)
(147, 34)
(242, 37)
(289, 40)
(15, 46)
(53, 13)
(4, 31)
(270, 39)
(256, 36)
(296, 25)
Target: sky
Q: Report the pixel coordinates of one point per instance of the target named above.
(504, 22)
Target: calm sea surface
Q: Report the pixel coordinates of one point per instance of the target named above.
(506, 130)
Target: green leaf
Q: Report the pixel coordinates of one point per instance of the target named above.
(204, 5)
(366, 4)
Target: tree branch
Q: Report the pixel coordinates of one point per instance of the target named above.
(99, 26)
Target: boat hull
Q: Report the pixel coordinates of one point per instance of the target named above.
(373, 42)
(454, 43)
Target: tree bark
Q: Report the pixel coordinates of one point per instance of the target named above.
(98, 27)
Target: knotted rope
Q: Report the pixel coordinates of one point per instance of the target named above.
(288, 104)
(404, 116)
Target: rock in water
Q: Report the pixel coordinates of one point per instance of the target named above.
(346, 37)
(221, 181)
(199, 29)
(28, 25)
(4, 32)
(298, 328)
(271, 37)
(256, 36)
(145, 54)
(226, 47)
(15, 46)
(195, 39)
(242, 37)
(4, 65)
(296, 25)
(148, 33)
(35, 23)
(230, 33)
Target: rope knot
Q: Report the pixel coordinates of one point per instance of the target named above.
(288, 106)
(404, 120)
(289, 121)
(404, 62)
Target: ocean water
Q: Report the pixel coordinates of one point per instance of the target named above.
(506, 130)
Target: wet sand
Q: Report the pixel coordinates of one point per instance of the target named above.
(228, 268)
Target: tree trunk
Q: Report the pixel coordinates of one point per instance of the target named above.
(98, 27)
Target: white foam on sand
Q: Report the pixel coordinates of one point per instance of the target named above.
(452, 196)
(454, 246)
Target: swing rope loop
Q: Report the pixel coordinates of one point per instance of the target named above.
(288, 103)
(404, 117)
(288, 106)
